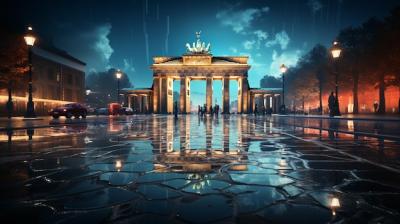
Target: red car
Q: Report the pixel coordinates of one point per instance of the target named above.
(114, 108)
(69, 110)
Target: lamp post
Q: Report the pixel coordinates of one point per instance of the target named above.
(30, 41)
(88, 92)
(283, 69)
(118, 74)
(335, 51)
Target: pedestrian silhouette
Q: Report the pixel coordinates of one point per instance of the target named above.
(376, 105)
(331, 105)
(176, 109)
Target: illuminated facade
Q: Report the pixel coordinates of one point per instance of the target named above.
(197, 64)
(58, 78)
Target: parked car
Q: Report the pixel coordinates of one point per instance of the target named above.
(68, 110)
(101, 111)
(90, 110)
(126, 111)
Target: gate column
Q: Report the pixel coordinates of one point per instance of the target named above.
(225, 95)
(209, 94)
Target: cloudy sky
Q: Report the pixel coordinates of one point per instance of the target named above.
(127, 34)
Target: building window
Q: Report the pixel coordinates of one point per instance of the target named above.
(49, 92)
(78, 80)
(69, 80)
(50, 74)
(56, 93)
(68, 94)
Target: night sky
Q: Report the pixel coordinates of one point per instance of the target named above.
(127, 34)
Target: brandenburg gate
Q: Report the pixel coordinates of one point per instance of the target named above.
(197, 64)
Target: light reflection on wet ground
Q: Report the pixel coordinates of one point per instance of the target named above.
(155, 169)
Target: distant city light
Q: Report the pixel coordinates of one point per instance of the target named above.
(335, 204)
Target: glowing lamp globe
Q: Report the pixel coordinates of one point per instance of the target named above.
(29, 37)
(118, 74)
(335, 50)
(283, 68)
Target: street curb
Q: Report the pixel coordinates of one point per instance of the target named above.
(338, 118)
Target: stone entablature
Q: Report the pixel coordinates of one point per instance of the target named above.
(196, 60)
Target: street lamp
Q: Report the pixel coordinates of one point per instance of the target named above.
(118, 74)
(335, 51)
(30, 41)
(283, 69)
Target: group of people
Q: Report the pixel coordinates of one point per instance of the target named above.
(263, 110)
(202, 110)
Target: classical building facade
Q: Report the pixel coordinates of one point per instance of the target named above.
(197, 64)
(58, 78)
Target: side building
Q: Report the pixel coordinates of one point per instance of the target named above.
(58, 78)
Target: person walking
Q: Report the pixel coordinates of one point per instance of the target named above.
(176, 109)
(376, 105)
(331, 104)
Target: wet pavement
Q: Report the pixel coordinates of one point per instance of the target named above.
(231, 169)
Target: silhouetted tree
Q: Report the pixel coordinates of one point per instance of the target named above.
(270, 82)
(317, 60)
(370, 54)
(354, 43)
(13, 60)
(392, 37)
(104, 86)
(374, 60)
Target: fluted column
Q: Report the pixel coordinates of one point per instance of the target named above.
(184, 101)
(273, 103)
(129, 101)
(156, 95)
(250, 107)
(150, 100)
(137, 103)
(225, 95)
(268, 104)
(240, 97)
(164, 96)
(245, 95)
(182, 98)
(209, 94)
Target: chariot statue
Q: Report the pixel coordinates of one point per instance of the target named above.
(198, 47)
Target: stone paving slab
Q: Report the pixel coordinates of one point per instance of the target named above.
(155, 169)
